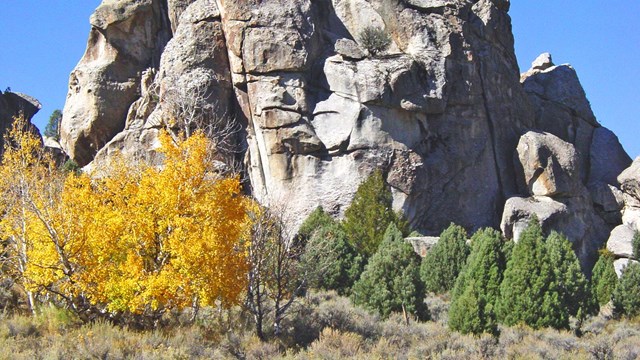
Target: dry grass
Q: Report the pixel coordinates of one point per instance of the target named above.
(325, 326)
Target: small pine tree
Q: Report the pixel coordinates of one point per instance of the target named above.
(527, 293)
(52, 129)
(440, 268)
(391, 280)
(604, 278)
(626, 296)
(573, 287)
(476, 291)
(635, 244)
(330, 261)
(369, 215)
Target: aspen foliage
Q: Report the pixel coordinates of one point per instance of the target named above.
(29, 189)
(137, 239)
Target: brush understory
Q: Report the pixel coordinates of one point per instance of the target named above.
(322, 326)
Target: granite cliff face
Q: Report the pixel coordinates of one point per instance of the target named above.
(444, 112)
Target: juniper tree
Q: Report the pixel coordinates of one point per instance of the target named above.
(314, 222)
(443, 263)
(604, 278)
(626, 296)
(369, 215)
(476, 290)
(391, 280)
(527, 293)
(331, 263)
(570, 282)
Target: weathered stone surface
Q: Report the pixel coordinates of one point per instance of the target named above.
(422, 245)
(560, 84)
(549, 164)
(126, 38)
(175, 9)
(620, 241)
(13, 105)
(349, 49)
(561, 107)
(631, 217)
(542, 62)
(629, 179)
(620, 264)
(608, 202)
(608, 158)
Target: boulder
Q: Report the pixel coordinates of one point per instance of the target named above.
(422, 245)
(629, 180)
(542, 62)
(13, 104)
(620, 264)
(550, 165)
(620, 241)
(631, 217)
(349, 49)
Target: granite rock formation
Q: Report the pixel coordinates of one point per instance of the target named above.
(441, 111)
(12, 105)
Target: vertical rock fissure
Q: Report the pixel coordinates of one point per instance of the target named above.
(500, 196)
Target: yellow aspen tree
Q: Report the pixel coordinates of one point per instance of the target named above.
(163, 237)
(137, 239)
(29, 186)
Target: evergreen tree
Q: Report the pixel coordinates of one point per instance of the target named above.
(604, 278)
(52, 129)
(572, 286)
(476, 291)
(626, 296)
(369, 215)
(330, 261)
(635, 244)
(528, 292)
(314, 222)
(391, 280)
(440, 268)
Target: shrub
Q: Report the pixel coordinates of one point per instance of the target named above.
(330, 261)
(369, 215)
(440, 268)
(604, 278)
(626, 296)
(391, 280)
(476, 291)
(375, 40)
(635, 243)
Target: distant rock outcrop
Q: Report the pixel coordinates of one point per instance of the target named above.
(441, 112)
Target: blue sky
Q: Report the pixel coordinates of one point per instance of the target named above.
(42, 40)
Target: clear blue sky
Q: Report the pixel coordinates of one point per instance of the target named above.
(42, 40)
